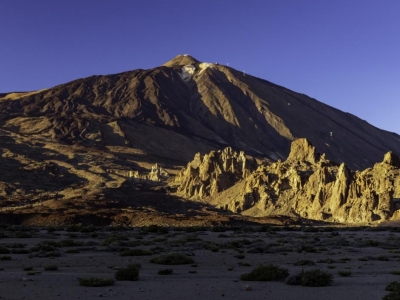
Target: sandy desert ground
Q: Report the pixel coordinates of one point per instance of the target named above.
(370, 257)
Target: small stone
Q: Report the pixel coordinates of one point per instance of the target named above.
(247, 288)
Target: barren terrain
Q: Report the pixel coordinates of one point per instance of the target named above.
(367, 259)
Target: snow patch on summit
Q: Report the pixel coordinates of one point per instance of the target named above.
(204, 66)
(187, 72)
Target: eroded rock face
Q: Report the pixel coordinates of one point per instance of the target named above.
(308, 185)
(157, 173)
(213, 173)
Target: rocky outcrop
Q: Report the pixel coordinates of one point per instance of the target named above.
(310, 186)
(157, 174)
(213, 173)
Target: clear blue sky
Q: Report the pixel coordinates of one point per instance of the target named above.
(345, 53)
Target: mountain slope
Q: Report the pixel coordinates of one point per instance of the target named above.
(84, 147)
(211, 108)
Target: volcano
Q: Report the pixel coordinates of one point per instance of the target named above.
(78, 142)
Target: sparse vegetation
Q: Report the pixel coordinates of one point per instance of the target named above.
(135, 252)
(304, 262)
(165, 272)
(394, 289)
(172, 259)
(344, 273)
(266, 273)
(51, 268)
(95, 282)
(4, 250)
(316, 277)
(130, 273)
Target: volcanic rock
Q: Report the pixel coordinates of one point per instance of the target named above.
(214, 172)
(309, 186)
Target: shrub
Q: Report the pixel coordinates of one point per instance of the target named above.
(135, 252)
(23, 235)
(114, 239)
(69, 243)
(165, 272)
(308, 248)
(4, 250)
(304, 262)
(155, 229)
(131, 273)
(73, 228)
(32, 273)
(223, 235)
(95, 282)
(72, 250)
(344, 273)
(394, 289)
(393, 286)
(5, 257)
(51, 268)
(20, 251)
(316, 278)
(266, 273)
(88, 229)
(172, 259)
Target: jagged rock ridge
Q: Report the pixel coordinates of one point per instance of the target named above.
(310, 186)
(214, 172)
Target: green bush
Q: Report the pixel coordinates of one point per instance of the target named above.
(4, 250)
(72, 250)
(155, 229)
(172, 259)
(394, 289)
(114, 239)
(88, 229)
(23, 235)
(316, 278)
(135, 252)
(393, 286)
(304, 262)
(165, 272)
(73, 228)
(20, 251)
(344, 273)
(266, 273)
(95, 282)
(131, 273)
(68, 243)
(310, 278)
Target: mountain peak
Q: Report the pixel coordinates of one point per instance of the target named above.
(181, 60)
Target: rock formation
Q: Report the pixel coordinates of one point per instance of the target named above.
(157, 174)
(213, 173)
(306, 185)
